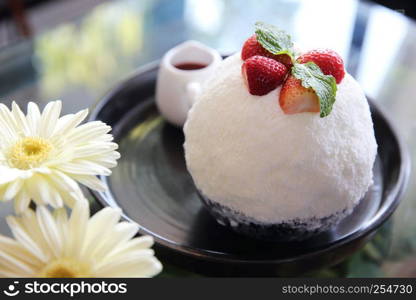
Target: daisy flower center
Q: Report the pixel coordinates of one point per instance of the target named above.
(65, 268)
(29, 152)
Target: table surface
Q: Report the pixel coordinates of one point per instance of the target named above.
(79, 61)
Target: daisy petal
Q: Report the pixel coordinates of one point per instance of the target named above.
(20, 119)
(133, 245)
(7, 124)
(49, 118)
(120, 234)
(64, 182)
(49, 229)
(15, 263)
(91, 182)
(12, 189)
(97, 228)
(25, 240)
(69, 122)
(9, 174)
(76, 227)
(137, 264)
(61, 220)
(33, 118)
(12, 247)
(21, 201)
(83, 167)
(88, 132)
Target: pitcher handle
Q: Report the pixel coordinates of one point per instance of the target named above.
(192, 90)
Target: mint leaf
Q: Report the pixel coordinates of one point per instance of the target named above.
(274, 40)
(323, 85)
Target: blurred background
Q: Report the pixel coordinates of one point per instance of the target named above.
(85, 43)
(76, 50)
(59, 44)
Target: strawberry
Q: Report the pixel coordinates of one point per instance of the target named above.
(327, 60)
(294, 98)
(252, 47)
(263, 74)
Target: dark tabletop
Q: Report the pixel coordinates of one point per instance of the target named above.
(79, 61)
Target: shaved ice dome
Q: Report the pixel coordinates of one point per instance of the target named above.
(247, 156)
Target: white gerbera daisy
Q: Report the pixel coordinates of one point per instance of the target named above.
(43, 156)
(54, 245)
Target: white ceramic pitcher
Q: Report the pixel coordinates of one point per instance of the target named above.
(182, 70)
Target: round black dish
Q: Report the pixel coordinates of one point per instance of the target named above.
(153, 188)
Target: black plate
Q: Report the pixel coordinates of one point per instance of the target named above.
(153, 188)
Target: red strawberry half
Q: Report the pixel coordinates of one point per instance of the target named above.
(252, 47)
(294, 98)
(263, 74)
(327, 60)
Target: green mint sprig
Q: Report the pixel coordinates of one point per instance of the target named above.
(324, 86)
(274, 40)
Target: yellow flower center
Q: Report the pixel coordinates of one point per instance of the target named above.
(29, 152)
(65, 268)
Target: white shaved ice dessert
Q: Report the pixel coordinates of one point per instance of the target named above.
(258, 165)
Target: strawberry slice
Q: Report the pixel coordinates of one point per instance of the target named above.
(327, 60)
(263, 74)
(252, 47)
(294, 98)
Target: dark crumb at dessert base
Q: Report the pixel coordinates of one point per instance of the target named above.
(294, 230)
